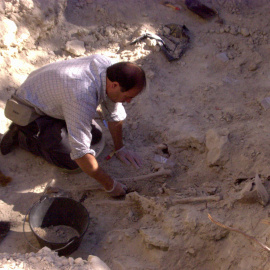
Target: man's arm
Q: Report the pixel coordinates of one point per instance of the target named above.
(90, 166)
(115, 129)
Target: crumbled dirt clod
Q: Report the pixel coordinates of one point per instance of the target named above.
(56, 234)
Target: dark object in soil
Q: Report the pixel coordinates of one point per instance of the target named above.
(57, 211)
(200, 9)
(174, 44)
(4, 229)
(4, 180)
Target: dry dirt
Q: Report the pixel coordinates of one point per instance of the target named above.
(206, 108)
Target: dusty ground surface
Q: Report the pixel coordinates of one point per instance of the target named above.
(206, 107)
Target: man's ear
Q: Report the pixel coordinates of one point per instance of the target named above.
(114, 85)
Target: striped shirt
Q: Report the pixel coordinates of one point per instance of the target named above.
(71, 90)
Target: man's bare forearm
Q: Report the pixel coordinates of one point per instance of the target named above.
(90, 166)
(115, 129)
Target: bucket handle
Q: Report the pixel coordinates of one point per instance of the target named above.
(27, 214)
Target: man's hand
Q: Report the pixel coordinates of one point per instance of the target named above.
(128, 157)
(117, 190)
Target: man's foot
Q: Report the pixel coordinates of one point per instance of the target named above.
(9, 139)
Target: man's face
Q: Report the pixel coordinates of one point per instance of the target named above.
(116, 95)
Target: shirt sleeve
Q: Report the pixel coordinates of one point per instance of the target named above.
(113, 112)
(78, 116)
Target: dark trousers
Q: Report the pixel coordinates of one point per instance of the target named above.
(48, 137)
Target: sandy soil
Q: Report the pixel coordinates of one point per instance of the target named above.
(206, 108)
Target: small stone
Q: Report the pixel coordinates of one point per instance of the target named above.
(191, 251)
(79, 261)
(96, 263)
(44, 250)
(223, 57)
(71, 260)
(120, 237)
(75, 47)
(253, 67)
(244, 32)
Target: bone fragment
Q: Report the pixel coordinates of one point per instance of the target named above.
(238, 231)
(263, 195)
(214, 198)
(146, 176)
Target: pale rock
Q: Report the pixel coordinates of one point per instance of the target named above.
(8, 30)
(96, 263)
(253, 67)
(79, 261)
(245, 32)
(10, 8)
(155, 238)
(23, 36)
(70, 260)
(248, 194)
(148, 205)
(44, 250)
(75, 47)
(223, 57)
(186, 137)
(191, 251)
(110, 31)
(191, 220)
(27, 4)
(263, 196)
(217, 145)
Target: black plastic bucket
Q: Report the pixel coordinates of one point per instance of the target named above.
(57, 211)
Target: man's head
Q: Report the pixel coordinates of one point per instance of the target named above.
(125, 81)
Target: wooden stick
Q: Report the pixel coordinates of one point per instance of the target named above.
(236, 230)
(213, 198)
(147, 176)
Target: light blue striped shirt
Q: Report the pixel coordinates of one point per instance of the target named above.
(71, 90)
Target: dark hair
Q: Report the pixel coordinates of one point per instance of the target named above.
(127, 74)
